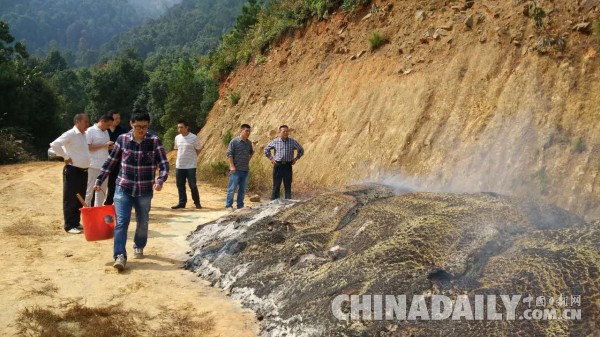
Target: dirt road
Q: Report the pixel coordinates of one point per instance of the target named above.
(61, 284)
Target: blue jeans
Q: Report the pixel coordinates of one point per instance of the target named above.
(123, 205)
(238, 179)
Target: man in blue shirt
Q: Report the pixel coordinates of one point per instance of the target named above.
(239, 153)
(282, 161)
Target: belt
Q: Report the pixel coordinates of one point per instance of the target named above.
(78, 168)
(283, 162)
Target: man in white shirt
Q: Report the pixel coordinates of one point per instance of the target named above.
(72, 146)
(187, 145)
(99, 144)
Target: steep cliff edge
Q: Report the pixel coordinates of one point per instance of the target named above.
(498, 106)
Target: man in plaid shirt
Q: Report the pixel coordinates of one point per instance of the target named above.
(282, 161)
(138, 153)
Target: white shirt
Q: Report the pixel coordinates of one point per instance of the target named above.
(95, 136)
(186, 151)
(73, 145)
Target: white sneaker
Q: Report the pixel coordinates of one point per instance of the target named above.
(120, 262)
(74, 231)
(230, 209)
(138, 253)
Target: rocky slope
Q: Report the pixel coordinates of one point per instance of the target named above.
(289, 261)
(466, 96)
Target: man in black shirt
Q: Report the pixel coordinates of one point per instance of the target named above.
(114, 131)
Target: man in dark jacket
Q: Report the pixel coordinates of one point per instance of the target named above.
(114, 132)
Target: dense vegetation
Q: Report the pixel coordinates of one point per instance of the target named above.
(158, 68)
(190, 28)
(260, 24)
(88, 31)
(80, 26)
(40, 96)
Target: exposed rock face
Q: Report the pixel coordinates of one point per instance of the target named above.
(289, 261)
(471, 116)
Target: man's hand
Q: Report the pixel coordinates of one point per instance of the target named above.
(97, 188)
(69, 161)
(294, 161)
(272, 161)
(157, 186)
(231, 169)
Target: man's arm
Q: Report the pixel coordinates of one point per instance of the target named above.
(197, 146)
(268, 149)
(299, 149)
(58, 146)
(230, 157)
(163, 166)
(100, 146)
(112, 160)
(231, 165)
(89, 136)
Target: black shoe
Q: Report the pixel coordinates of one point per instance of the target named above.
(178, 206)
(198, 206)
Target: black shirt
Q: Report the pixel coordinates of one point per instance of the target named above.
(119, 130)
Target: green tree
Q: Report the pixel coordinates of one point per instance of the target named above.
(115, 85)
(184, 97)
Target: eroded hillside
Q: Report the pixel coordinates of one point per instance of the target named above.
(465, 96)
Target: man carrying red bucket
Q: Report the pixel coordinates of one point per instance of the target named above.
(140, 154)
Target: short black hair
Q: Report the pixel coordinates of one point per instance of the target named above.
(79, 117)
(112, 112)
(245, 126)
(283, 126)
(181, 121)
(106, 117)
(140, 116)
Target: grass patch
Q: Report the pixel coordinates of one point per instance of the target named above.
(260, 59)
(48, 289)
(234, 97)
(220, 168)
(377, 40)
(557, 137)
(78, 320)
(227, 137)
(182, 322)
(12, 148)
(580, 145)
(215, 173)
(260, 180)
(75, 319)
(26, 227)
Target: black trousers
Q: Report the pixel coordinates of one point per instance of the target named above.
(282, 172)
(74, 181)
(112, 184)
(181, 175)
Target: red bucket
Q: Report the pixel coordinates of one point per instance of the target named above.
(98, 222)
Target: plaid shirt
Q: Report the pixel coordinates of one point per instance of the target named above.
(138, 164)
(284, 149)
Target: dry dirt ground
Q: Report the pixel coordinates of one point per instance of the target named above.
(64, 285)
